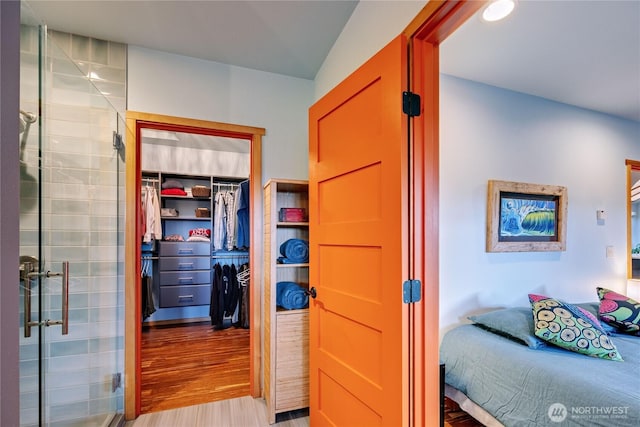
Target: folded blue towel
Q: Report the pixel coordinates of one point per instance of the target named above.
(294, 251)
(291, 296)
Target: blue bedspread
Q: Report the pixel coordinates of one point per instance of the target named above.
(519, 386)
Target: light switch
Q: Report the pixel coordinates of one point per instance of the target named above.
(611, 253)
(600, 215)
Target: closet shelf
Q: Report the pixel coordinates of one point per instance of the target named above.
(172, 196)
(306, 264)
(291, 224)
(189, 218)
(284, 312)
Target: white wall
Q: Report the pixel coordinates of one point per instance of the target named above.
(490, 133)
(371, 27)
(181, 86)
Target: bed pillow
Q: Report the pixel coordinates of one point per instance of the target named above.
(515, 323)
(567, 326)
(591, 309)
(619, 311)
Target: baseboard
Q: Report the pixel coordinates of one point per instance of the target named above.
(156, 323)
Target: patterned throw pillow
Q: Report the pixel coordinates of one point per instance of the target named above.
(619, 311)
(202, 232)
(567, 326)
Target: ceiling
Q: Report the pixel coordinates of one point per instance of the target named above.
(581, 52)
(584, 53)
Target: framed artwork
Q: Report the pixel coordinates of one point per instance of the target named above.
(524, 217)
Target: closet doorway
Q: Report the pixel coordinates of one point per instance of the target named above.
(193, 291)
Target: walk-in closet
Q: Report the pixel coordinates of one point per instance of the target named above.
(195, 271)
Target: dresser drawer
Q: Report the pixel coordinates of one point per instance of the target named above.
(184, 263)
(184, 248)
(196, 277)
(181, 296)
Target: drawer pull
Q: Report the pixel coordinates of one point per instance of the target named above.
(181, 297)
(185, 279)
(185, 251)
(185, 266)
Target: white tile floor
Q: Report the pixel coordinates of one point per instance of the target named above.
(240, 412)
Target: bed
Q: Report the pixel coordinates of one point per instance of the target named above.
(502, 374)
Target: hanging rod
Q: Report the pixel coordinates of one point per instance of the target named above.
(150, 179)
(228, 256)
(226, 184)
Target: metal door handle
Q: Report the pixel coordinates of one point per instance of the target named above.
(65, 300)
(312, 292)
(28, 273)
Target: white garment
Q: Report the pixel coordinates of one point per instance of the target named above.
(153, 225)
(219, 222)
(230, 212)
(224, 222)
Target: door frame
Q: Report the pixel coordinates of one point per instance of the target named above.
(133, 326)
(431, 26)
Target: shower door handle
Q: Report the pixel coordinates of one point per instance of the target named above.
(65, 299)
(28, 323)
(27, 274)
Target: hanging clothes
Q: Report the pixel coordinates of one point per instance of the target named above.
(219, 222)
(225, 295)
(224, 222)
(151, 207)
(242, 213)
(231, 289)
(243, 300)
(148, 307)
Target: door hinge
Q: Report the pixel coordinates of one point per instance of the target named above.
(411, 291)
(411, 104)
(116, 382)
(117, 140)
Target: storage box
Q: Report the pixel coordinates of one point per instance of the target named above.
(203, 213)
(200, 191)
(292, 215)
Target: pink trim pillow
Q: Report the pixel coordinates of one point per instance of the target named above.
(619, 311)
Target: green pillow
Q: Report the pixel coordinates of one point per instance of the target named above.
(569, 327)
(515, 323)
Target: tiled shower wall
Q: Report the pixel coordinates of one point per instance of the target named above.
(104, 62)
(82, 204)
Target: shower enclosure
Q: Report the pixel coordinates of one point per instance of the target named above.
(71, 240)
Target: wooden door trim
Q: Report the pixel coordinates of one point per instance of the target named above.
(134, 121)
(431, 26)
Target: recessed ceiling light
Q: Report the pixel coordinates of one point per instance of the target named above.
(498, 9)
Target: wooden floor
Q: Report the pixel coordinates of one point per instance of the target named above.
(456, 417)
(190, 364)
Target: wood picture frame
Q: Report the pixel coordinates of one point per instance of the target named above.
(524, 217)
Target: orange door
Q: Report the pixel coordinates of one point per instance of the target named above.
(358, 194)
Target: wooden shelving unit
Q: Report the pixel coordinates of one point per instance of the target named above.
(286, 346)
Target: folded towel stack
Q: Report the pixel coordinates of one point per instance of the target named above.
(294, 251)
(291, 296)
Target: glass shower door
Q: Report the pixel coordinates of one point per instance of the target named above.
(71, 338)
